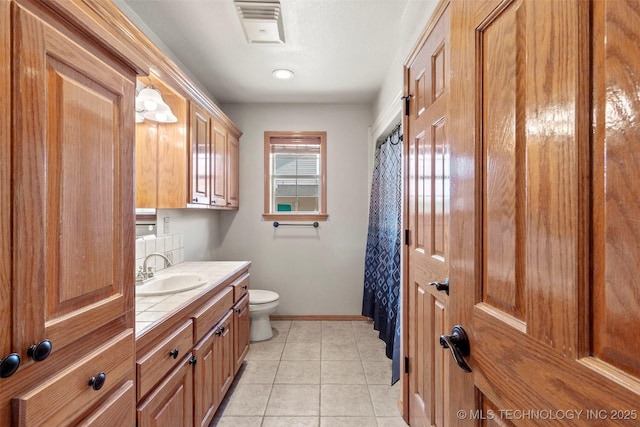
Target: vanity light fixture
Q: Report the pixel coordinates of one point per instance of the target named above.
(282, 74)
(151, 106)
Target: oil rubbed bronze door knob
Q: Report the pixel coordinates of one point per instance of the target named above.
(458, 343)
(40, 351)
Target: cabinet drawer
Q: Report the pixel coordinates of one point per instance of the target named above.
(158, 362)
(60, 399)
(212, 312)
(118, 410)
(240, 287)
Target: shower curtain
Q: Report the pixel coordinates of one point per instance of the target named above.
(381, 299)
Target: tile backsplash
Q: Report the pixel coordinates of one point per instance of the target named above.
(172, 246)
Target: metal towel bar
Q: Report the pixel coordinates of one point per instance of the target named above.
(277, 224)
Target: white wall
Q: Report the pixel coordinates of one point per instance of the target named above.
(200, 230)
(315, 271)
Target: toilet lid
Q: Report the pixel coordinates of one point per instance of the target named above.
(259, 296)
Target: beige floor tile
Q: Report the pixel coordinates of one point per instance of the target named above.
(281, 325)
(236, 422)
(391, 422)
(246, 400)
(348, 422)
(279, 335)
(372, 352)
(342, 372)
(290, 422)
(294, 400)
(304, 335)
(338, 336)
(265, 350)
(298, 372)
(377, 372)
(258, 372)
(337, 351)
(336, 324)
(385, 400)
(301, 351)
(345, 400)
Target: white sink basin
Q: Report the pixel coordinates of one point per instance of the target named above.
(170, 283)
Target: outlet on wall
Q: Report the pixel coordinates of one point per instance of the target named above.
(167, 223)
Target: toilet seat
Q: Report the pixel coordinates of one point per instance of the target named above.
(259, 296)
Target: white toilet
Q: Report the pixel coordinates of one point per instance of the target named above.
(261, 304)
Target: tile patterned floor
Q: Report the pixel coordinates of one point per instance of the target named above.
(315, 374)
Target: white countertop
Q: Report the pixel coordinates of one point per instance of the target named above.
(154, 308)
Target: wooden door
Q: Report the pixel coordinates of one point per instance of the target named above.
(428, 222)
(200, 125)
(73, 201)
(544, 243)
(219, 165)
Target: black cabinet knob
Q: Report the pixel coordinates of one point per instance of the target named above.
(98, 381)
(245, 287)
(238, 310)
(9, 365)
(193, 360)
(40, 351)
(174, 353)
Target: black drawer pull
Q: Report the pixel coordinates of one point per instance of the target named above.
(98, 381)
(9, 365)
(40, 351)
(174, 353)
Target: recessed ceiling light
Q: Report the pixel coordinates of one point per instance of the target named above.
(282, 74)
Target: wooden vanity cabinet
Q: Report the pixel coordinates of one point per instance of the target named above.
(218, 164)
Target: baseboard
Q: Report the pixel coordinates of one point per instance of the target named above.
(318, 317)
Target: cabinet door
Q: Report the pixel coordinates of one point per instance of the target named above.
(240, 331)
(233, 171)
(200, 155)
(171, 403)
(223, 354)
(204, 387)
(118, 410)
(219, 166)
(73, 201)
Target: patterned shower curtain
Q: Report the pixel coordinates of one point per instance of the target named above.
(381, 299)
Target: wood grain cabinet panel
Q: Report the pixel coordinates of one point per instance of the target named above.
(118, 410)
(171, 403)
(200, 149)
(241, 331)
(218, 164)
(233, 171)
(240, 287)
(206, 318)
(73, 185)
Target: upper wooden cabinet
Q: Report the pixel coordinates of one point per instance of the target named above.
(214, 160)
(200, 157)
(233, 170)
(218, 165)
(161, 155)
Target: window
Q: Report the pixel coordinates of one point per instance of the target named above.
(295, 175)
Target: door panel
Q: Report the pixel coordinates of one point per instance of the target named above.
(74, 191)
(428, 223)
(545, 243)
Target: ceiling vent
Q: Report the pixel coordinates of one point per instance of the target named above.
(261, 20)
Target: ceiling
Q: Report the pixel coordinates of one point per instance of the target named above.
(339, 50)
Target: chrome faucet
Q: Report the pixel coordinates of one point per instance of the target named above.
(145, 272)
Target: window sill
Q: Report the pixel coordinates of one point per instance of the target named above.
(294, 217)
